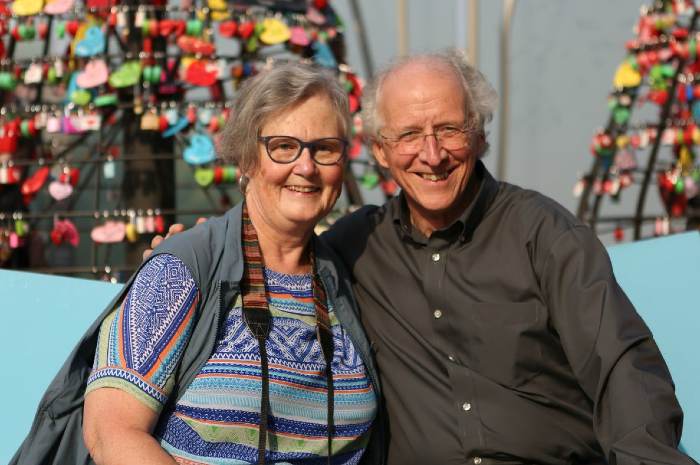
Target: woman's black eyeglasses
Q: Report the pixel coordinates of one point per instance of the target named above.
(286, 149)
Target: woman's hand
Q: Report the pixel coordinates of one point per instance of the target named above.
(117, 430)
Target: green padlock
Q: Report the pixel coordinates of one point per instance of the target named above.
(81, 97)
(21, 227)
(51, 75)
(621, 115)
(145, 27)
(370, 180)
(252, 45)
(204, 176)
(680, 186)
(194, 27)
(106, 100)
(24, 128)
(7, 80)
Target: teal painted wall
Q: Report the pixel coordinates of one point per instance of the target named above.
(43, 316)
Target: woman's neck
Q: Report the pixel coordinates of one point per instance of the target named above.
(284, 252)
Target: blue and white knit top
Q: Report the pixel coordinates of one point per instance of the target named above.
(216, 420)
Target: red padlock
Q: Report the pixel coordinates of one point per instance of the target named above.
(72, 27)
(228, 28)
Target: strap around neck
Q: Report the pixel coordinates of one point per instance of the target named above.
(257, 317)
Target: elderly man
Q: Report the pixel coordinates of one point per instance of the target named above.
(499, 330)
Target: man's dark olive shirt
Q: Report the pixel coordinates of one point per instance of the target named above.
(505, 337)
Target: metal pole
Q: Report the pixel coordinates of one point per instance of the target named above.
(362, 35)
(402, 26)
(504, 71)
(473, 33)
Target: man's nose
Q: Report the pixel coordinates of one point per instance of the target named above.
(431, 154)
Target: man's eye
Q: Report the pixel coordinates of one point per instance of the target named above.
(449, 131)
(409, 135)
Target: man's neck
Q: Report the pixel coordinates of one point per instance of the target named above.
(427, 222)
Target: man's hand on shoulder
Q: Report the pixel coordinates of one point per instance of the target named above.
(174, 229)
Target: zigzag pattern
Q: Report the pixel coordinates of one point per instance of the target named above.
(132, 378)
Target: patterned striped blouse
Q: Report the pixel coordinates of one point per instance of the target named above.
(216, 420)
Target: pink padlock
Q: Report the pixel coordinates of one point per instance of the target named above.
(14, 240)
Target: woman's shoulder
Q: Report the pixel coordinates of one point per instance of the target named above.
(163, 270)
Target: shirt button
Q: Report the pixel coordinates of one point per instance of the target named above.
(451, 358)
(477, 460)
(436, 257)
(437, 314)
(466, 406)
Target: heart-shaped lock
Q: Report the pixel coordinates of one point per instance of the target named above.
(127, 75)
(95, 74)
(204, 176)
(92, 44)
(202, 73)
(27, 7)
(200, 151)
(60, 190)
(66, 231)
(246, 29)
(228, 29)
(315, 16)
(53, 124)
(33, 74)
(274, 31)
(58, 7)
(33, 183)
(323, 55)
(108, 233)
(8, 81)
(299, 37)
(626, 76)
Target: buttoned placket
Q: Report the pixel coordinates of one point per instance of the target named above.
(460, 379)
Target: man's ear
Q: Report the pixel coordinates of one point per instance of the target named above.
(379, 154)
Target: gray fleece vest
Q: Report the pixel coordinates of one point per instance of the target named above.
(213, 254)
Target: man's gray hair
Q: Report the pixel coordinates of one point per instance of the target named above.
(268, 94)
(480, 98)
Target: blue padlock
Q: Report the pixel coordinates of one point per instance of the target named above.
(200, 151)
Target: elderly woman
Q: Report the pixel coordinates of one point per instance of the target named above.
(288, 378)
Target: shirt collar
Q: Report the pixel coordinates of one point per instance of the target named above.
(467, 221)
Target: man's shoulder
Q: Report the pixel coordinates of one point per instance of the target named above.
(532, 209)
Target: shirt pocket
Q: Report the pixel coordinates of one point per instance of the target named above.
(503, 341)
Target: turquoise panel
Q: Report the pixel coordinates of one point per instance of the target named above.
(43, 317)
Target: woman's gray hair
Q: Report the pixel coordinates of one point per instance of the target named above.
(269, 93)
(480, 98)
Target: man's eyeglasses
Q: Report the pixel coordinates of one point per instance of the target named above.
(448, 137)
(286, 149)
